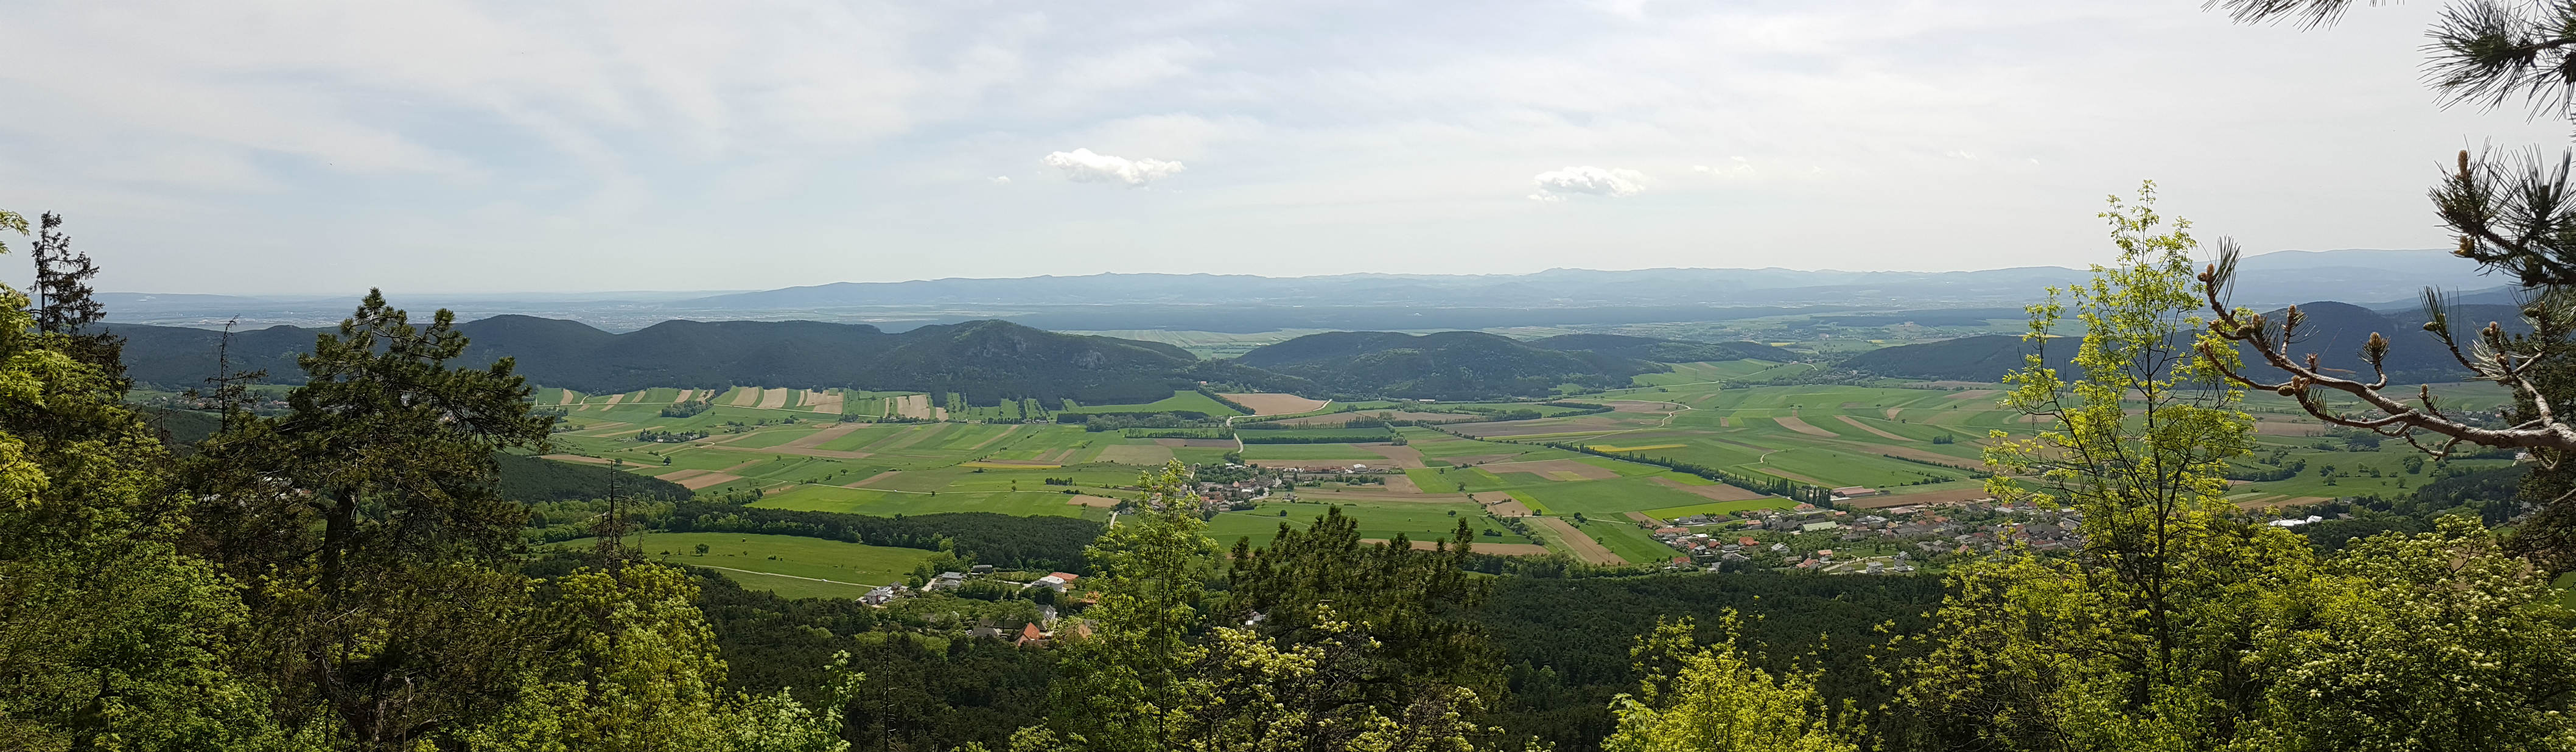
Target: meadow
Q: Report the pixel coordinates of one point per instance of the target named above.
(784, 449)
(791, 566)
(1179, 402)
(1421, 521)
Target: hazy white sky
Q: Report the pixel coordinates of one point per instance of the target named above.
(323, 147)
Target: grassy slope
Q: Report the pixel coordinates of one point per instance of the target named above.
(851, 567)
(1382, 520)
(1179, 401)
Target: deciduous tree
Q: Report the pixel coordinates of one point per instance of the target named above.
(1713, 698)
(110, 636)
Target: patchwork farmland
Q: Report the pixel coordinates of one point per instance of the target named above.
(1598, 470)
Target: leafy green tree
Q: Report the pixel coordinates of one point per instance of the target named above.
(110, 636)
(2142, 437)
(1122, 688)
(366, 520)
(2181, 627)
(12, 222)
(633, 666)
(1156, 675)
(1257, 692)
(2137, 642)
(2433, 641)
(1713, 698)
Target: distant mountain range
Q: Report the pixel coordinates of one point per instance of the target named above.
(1244, 303)
(2274, 277)
(985, 360)
(2334, 331)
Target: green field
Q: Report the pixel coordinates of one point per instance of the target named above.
(1716, 507)
(1626, 539)
(1031, 503)
(1379, 520)
(1737, 429)
(791, 566)
(1895, 436)
(1350, 452)
(1190, 401)
(1701, 373)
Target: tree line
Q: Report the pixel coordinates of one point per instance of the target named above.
(1008, 541)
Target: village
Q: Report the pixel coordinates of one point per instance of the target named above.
(1896, 540)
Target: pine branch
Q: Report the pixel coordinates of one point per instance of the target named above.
(2495, 361)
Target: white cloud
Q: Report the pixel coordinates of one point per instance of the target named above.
(1083, 166)
(1001, 180)
(1735, 166)
(1596, 181)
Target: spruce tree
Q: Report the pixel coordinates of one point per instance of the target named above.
(66, 305)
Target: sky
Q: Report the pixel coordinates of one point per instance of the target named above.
(261, 147)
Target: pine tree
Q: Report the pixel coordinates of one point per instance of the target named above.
(367, 521)
(66, 305)
(2508, 212)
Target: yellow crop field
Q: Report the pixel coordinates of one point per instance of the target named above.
(1609, 448)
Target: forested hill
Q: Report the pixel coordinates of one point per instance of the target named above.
(2334, 331)
(1442, 365)
(1660, 350)
(984, 360)
(1980, 358)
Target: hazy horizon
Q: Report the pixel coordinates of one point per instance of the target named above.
(597, 294)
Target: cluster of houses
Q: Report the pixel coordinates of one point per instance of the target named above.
(1031, 634)
(884, 594)
(1238, 485)
(1971, 527)
(1220, 493)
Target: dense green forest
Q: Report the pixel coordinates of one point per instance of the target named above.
(986, 361)
(530, 479)
(2335, 331)
(1015, 542)
(1445, 365)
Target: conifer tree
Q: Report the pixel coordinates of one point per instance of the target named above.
(2508, 211)
(367, 523)
(64, 302)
